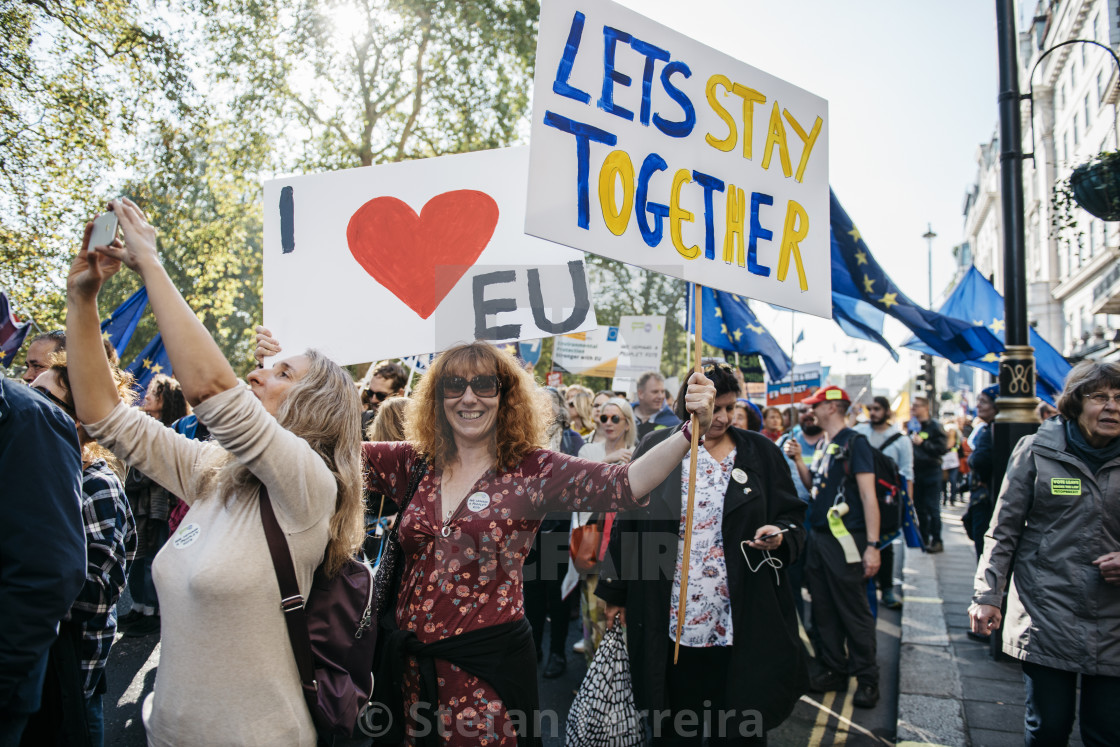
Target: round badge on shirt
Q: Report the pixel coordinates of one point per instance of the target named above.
(186, 535)
(478, 501)
(739, 476)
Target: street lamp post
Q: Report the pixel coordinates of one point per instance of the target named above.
(929, 236)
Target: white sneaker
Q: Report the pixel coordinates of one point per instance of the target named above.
(578, 646)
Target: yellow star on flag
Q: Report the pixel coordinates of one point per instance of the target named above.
(991, 358)
(719, 312)
(861, 257)
(978, 322)
(723, 327)
(147, 363)
(738, 335)
(996, 326)
(104, 335)
(889, 299)
(756, 328)
(854, 233)
(157, 368)
(868, 284)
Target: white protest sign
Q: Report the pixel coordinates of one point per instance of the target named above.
(653, 149)
(591, 353)
(411, 257)
(641, 338)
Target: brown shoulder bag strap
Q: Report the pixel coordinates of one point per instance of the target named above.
(291, 602)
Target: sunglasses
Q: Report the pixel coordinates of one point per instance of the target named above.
(65, 407)
(379, 396)
(610, 419)
(484, 385)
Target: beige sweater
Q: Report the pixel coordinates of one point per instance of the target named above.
(226, 673)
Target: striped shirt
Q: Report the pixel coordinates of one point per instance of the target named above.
(110, 547)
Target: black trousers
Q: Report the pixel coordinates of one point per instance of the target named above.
(885, 576)
(697, 700)
(544, 570)
(841, 611)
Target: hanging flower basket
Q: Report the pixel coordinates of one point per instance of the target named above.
(1096, 186)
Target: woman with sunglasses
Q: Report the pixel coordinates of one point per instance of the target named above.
(227, 674)
(741, 659)
(579, 410)
(478, 420)
(597, 403)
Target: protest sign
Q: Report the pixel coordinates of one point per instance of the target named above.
(411, 257)
(653, 149)
(807, 378)
(641, 338)
(591, 353)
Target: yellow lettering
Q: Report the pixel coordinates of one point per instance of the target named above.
(750, 96)
(728, 142)
(808, 141)
(616, 164)
(796, 229)
(733, 248)
(678, 214)
(777, 136)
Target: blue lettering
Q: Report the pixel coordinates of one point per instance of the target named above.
(584, 134)
(651, 235)
(564, 71)
(710, 185)
(684, 127)
(611, 37)
(652, 54)
(758, 232)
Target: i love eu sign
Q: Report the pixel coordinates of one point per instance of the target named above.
(653, 149)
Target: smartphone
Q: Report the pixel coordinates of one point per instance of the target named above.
(104, 229)
(770, 536)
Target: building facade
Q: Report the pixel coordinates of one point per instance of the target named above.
(1073, 258)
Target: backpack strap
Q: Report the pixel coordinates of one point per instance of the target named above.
(291, 602)
(897, 435)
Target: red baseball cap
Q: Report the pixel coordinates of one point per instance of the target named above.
(828, 394)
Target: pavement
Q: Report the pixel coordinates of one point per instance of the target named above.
(951, 691)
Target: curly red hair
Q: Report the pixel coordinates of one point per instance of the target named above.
(523, 411)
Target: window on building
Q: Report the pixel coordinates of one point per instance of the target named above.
(1073, 71)
(1092, 237)
(1088, 118)
(1076, 132)
(1100, 88)
(1065, 147)
(1096, 27)
(1062, 98)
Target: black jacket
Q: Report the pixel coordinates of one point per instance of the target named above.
(768, 670)
(927, 454)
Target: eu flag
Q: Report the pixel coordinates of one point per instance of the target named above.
(151, 361)
(976, 301)
(12, 331)
(120, 325)
(858, 276)
(729, 324)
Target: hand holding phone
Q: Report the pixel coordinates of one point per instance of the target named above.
(771, 535)
(104, 230)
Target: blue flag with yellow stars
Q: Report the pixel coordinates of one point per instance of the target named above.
(151, 361)
(729, 324)
(857, 272)
(975, 300)
(120, 325)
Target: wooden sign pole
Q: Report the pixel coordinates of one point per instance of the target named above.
(697, 307)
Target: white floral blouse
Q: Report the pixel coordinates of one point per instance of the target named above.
(707, 619)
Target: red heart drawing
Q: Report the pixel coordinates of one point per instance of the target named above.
(402, 250)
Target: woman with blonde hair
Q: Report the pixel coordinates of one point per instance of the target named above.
(388, 423)
(618, 436)
(227, 673)
(477, 424)
(579, 410)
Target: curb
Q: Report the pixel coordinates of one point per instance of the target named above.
(930, 700)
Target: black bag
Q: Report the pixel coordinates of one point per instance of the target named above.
(888, 485)
(603, 713)
(331, 633)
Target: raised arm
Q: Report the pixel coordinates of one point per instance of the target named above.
(198, 363)
(647, 472)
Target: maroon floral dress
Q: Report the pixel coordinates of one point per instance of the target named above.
(472, 578)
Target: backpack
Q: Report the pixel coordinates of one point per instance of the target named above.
(331, 632)
(888, 485)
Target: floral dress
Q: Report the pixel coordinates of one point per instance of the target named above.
(472, 577)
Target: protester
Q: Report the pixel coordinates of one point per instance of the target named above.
(799, 446)
(478, 420)
(740, 658)
(547, 562)
(39, 352)
(950, 465)
(981, 502)
(226, 674)
(1057, 524)
(579, 410)
(928, 438)
(754, 417)
(388, 424)
(619, 436)
(1046, 411)
(739, 418)
(843, 552)
(898, 448)
(650, 411)
(42, 544)
(151, 505)
(75, 683)
(772, 423)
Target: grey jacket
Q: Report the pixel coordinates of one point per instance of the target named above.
(1053, 518)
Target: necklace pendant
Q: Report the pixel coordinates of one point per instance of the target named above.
(446, 531)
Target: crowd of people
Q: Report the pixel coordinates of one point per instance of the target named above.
(519, 509)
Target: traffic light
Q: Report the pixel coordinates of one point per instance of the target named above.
(926, 377)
